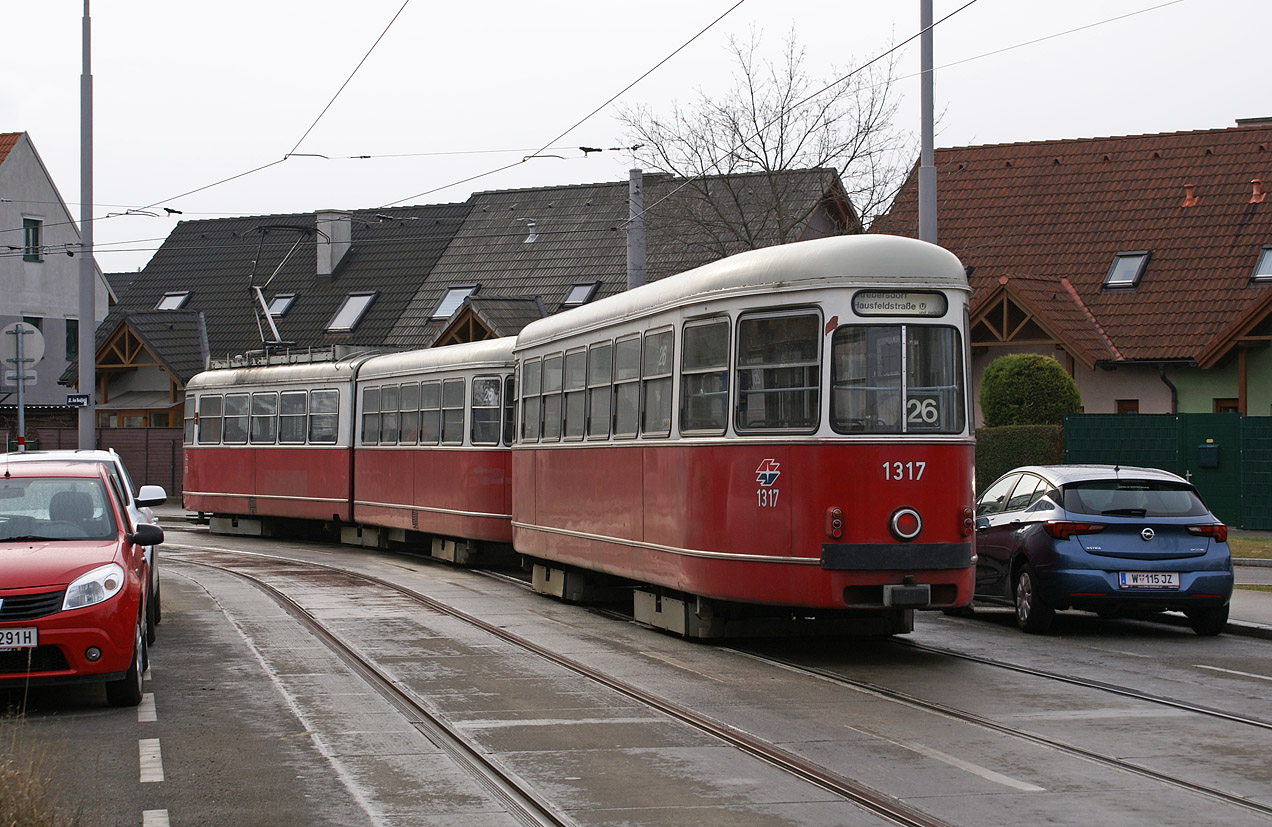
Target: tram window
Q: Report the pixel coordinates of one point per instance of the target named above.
(779, 372)
(264, 418)
(453, 412)
(575, 394)
(234, 430)
(656, 374)
(388, 415)
(370, 416)
(551, 398)
(531, 386)
(626, 387)
(209, 420)
(486, 410)
(510, 409)
(292, 408)
(324, 417)
(187, 432)
(871, 391)
(409, 420)
(599, 372)
(430, 412)
(704, 377)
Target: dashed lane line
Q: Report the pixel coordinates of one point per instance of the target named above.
(151, 760)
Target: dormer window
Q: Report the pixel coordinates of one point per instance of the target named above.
(580, 293)
(173, 301)
(1263, 268)
(452, 300)
(281, 303)
(1127, 269)
(351, 312)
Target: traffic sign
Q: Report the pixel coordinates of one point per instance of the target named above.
(32, 351)
(77, 400)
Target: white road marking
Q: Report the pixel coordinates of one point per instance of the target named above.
(966, 766)
(151, 760)
(1235, 672)
(146, 709)
(154, 818)
(1092, 714)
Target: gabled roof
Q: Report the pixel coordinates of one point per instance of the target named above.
(1045, 212)
(8, 140)
(580, 235)
(217, 261)
(177, 340)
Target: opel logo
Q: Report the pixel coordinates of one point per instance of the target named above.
(1147, 534)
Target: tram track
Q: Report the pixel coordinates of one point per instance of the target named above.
(530, 808)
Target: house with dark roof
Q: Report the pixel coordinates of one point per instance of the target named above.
(1143, 263)
(413, 277)
(39, 268)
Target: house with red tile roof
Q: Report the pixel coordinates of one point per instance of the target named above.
(1143, 263)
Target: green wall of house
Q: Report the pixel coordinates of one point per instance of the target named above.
(1198, 389)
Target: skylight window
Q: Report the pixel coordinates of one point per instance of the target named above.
(173, 301)
(1127, 269)
(281, 303)
(580, 294)
(1263, 269)
(350, 313)
(452, 300)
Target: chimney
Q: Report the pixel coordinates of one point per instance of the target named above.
(1190, 198)
(1258, 195)
(334, 234)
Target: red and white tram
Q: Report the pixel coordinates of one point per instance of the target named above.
(787, 428)
(777, 437)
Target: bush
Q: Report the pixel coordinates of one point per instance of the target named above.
(1027, 389)
(998, 450)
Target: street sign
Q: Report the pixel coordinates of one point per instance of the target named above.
(77, 400)
(11, 377)
(32, 344)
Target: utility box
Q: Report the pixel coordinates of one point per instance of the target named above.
(1208, 455)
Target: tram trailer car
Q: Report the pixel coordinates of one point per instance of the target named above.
(776, 440)
(785, 430)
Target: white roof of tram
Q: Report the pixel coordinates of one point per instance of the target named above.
(490, 354)
(859, 260)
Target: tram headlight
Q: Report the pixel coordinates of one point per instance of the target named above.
(835, 523)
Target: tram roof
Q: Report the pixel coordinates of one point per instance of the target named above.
(323, 371)
(490, 353)
(859, 260)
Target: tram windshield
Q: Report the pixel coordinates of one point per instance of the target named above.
(890, 379)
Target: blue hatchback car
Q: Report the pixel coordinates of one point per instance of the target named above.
(1117, 541)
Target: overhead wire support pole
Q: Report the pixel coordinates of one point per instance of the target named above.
(927, 162)
(87, 277)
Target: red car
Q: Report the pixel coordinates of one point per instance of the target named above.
(72, 580)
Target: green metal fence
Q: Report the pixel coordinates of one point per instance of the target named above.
(1228, 457)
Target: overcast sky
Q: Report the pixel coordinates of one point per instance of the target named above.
(187, 94)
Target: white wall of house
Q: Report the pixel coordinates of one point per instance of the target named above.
(48, 289)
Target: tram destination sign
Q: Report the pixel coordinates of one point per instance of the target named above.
(898, 303)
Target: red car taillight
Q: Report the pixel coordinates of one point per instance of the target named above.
(1215, 531)
(1063, 530)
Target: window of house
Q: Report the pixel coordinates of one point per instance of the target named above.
(351, 312)
(1263, 267)
(173, 301)
(452, 300)
(1226, 406)
(72, 339)
(1126, 269)
(157, 419)
(281, 303)
(34, 321)
(31, 232)
(1127, 406)
(580, 293)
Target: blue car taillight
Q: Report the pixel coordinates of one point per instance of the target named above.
(1215, 531)
(1063, 529)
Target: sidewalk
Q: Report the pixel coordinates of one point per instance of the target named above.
(1251, 613)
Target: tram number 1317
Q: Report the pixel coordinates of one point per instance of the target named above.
(767, 497)
(903, 471)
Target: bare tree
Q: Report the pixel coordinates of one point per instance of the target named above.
(774, 121)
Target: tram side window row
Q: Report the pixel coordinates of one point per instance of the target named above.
(433, 412)
(264, 418)
(884, 379)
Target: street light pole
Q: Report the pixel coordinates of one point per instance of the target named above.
(927, 162)
(87, 276)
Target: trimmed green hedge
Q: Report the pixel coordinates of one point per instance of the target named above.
(1027, 389)
(998, 450)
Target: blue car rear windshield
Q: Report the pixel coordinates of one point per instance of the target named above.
(1132, 498)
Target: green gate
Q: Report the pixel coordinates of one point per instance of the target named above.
(1223, 454)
